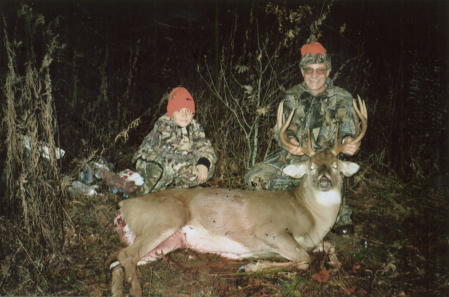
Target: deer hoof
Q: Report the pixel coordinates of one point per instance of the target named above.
(344, 230)
(113, 265)
(247, 267)
(242, 269)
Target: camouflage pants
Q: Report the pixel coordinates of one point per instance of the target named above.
(268, 175)
(159, 175)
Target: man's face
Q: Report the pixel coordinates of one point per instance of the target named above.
(315, 77)
(182, 117)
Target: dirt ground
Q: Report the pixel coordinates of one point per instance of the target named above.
(399, 248)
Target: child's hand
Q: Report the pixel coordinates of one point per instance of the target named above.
(202, 173)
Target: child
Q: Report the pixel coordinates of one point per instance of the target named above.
(176, 152)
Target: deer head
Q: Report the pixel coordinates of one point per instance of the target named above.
(323, 166)
(283, 125)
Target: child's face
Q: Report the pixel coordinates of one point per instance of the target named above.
(183, 117)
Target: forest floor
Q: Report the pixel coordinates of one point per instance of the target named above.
(400, 247)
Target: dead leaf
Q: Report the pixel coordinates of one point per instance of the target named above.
(66, 244)
(5, 269)
(360, 190)
(422, 258)
(390, 267)
(94, 291)
(342, 29)
(420, 271)
(263, 110)
(249, 89)
(360, 292)
(216, 181)
(241, 68)
(322, 277)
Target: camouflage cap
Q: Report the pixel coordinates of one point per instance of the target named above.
(314, 53)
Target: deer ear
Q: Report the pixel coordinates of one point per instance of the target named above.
(349, 168)
(296, 171)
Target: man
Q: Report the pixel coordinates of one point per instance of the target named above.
(318, 106)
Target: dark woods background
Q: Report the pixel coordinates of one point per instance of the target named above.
(91, 78)
(117, 59)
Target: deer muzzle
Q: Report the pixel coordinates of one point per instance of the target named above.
(324, 183)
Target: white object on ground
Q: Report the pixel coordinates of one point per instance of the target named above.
(129, 175)
(43, 148)
(85, 189)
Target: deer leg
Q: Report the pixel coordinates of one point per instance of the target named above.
(268, 266)
(329, 249)
(117, 281)
(287, 247)
(158, 238)
(128, 259)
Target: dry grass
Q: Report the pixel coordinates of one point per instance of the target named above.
(33, 202)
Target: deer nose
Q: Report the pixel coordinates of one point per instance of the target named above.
(324, 180)
(324, 183)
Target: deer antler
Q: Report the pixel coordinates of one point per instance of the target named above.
(363, 115)
(282, 126)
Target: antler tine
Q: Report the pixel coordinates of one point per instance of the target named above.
(283, 125)
(309, 152)
(363, 115)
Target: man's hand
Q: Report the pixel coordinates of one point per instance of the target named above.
(297, 150)
(202, 173)
(350, 149)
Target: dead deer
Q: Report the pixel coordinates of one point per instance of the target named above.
(238, 224)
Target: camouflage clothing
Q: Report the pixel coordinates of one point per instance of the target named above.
(317, 113)
(168, 156)
(316, 59)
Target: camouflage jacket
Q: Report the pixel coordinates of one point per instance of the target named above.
(168, 142)
(319, 114)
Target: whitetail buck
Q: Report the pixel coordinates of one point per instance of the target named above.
(238, 224)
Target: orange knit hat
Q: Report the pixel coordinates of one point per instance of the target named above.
(312, 48)
(180, 98)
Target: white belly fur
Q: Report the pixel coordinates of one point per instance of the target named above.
(200, 240)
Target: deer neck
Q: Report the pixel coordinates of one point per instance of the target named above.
(324, 206)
